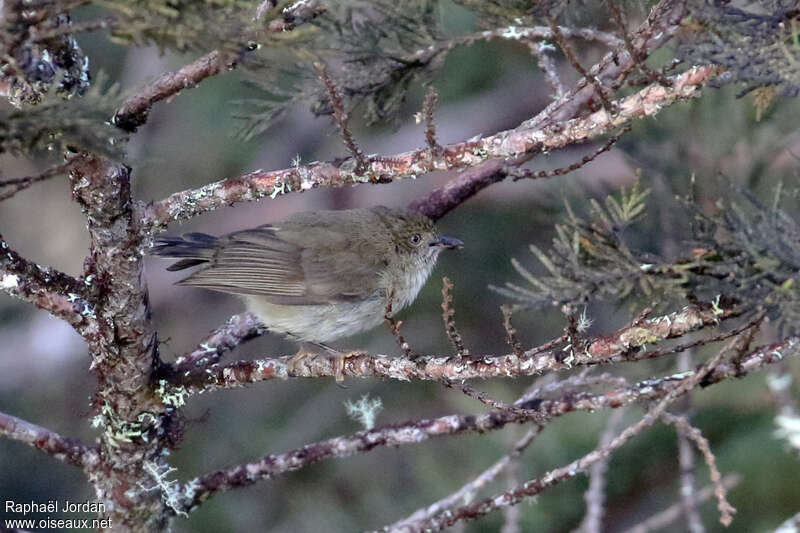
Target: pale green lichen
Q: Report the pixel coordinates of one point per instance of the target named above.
(119, 431)
(171, 395)
(364, 411)
(170, 489)
(638, 336)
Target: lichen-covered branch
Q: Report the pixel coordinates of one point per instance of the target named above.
(506, 144)
(59, 447)
(55, 292)
(239, 329)
(626, 344)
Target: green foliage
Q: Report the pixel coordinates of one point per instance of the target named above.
(182, 24)
(589, 257)
(746, 251)
(378, 49)
(497, 12)
(57, 124)
(752, 252)
(757, 44)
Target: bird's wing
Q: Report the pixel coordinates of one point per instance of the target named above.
(291, 267)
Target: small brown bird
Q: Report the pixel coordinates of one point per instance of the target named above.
(317, 276)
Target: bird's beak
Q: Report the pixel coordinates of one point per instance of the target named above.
(448, 243)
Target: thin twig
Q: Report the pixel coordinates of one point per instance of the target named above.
(428, 110)
(468, 491)
(520, 174)
(637, 56)
(687, 461)
(394, 327)
(595, 495)
(726, 510)
(558, 37)
(674, 512)
(340, 117)
(511, 333)
(17, 184)
(135, 110)
(448, 317)
(422, 430)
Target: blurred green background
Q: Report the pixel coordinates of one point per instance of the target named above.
(484, 88)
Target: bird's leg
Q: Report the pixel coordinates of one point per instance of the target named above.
(338, 359)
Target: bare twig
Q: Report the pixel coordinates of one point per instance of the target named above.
(558, 37)
(637, 55)
(674, 512)
(15, 185)
(519, 174)
(340, 117)
(726, 510)
(595, 495)
(485, 399)
(55, 292)
(448, 317)
(62, 448)
(467, 492)
(687, 461)
(428, 110)
(511, 333)
(394, 327)
(135, 110)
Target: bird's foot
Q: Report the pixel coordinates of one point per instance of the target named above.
(337, 358)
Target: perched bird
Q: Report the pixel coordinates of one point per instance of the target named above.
(317, 276)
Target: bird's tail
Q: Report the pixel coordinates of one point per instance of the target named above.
(195, 248)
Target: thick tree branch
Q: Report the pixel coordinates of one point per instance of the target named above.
(136, 424)
(503, 145)
(65, 449)
(201, 488)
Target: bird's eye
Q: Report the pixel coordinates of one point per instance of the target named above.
(416, 239)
